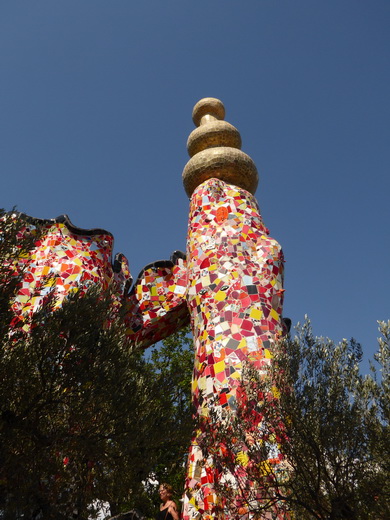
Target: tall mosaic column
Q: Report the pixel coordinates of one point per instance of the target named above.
(235, 285)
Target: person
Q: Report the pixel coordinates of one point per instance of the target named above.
(168, 509)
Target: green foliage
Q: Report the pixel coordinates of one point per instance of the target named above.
(383, 359)
(170, 366)
(335, 427)
(331, 425)
(83, 415)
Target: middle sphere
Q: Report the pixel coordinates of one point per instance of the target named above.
(212, 134)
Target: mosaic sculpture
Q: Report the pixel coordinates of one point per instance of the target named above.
(234, 287)
(229, 284)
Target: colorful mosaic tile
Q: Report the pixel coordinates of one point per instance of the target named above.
(64, 259)
(156, 306)
(68, 258)
(235, 296)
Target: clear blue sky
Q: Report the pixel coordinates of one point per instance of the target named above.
(95, 110)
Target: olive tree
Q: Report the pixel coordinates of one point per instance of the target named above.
(328, 424)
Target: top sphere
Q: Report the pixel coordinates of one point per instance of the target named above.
(209, 105)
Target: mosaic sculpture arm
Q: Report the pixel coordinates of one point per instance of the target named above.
(68, 258)
(156, 306)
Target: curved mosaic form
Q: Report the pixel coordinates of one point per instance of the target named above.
(68, 258)
(230, 286)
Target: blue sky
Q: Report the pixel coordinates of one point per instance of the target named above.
(95, 110)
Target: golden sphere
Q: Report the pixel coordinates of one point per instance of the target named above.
(214, 133)
(228, 164)
(211, 106)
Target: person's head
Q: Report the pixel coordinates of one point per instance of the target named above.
(165, 491)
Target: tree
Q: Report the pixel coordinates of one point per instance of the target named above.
(84, 415)
(170, 367)
(329, 424)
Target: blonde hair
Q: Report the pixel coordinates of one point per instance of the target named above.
(168, 488)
